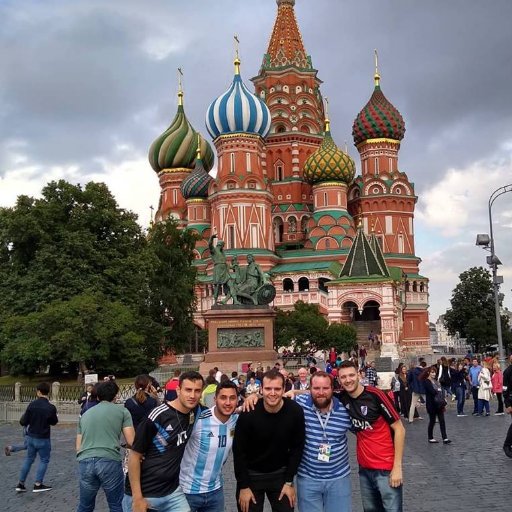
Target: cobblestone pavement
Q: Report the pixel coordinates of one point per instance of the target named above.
(472, 471)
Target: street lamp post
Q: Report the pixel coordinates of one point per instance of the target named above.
(493, 261)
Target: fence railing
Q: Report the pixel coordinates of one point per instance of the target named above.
(59, 392)
(7, 393)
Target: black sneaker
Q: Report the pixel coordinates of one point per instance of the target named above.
(21, 487)
(41, 488)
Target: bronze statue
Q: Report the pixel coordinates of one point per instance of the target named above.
(246, 285)
(221, 275)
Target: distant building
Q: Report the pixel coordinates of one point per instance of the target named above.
(442, 341)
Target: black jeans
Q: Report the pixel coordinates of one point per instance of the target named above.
(508, 439)
(499, 396)
(269, 484)
(432, 421)
(474, 392)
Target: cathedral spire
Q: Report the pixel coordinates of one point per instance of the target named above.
(285, 47)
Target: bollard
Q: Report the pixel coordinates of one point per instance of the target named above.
(17, 392)
(55, 391)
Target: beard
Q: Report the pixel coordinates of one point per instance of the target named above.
(320, 403)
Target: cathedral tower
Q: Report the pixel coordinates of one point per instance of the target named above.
(289, 85)
(240, 196)
(172, 157)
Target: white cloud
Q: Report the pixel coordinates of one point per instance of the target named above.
(452, 204)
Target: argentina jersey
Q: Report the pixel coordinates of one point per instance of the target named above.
(205, 453)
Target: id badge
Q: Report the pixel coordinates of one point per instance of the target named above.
(324, 452)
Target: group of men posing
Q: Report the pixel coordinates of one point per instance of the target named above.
(289, 450)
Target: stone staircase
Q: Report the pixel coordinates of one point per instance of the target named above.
(363, 328)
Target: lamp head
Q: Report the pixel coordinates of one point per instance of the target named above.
(483, 239)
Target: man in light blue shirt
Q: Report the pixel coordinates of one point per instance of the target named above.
(474, 371)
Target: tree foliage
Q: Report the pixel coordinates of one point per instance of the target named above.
(307, 329)
(80, 283)
(472, 314)
(171, 300)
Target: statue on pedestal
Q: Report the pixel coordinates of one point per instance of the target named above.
(246, 285)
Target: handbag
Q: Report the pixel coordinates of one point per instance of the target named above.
(439, 401)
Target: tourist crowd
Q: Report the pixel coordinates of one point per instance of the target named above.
(287, 433)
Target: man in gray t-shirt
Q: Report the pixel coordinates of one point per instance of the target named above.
(98, 449)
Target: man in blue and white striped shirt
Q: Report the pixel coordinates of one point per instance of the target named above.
(323, 477)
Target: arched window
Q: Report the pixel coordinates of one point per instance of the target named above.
(278, 230)
(279, 172)
(422, 287)
(280, 129)
(304, 224)
(287, 285)
(414, 286)
(322, 281)
(292, 224)
(303, 284)
(407, 286)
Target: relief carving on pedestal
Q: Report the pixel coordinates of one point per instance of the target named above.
(240, 338)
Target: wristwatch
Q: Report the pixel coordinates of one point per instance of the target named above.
(289, 483)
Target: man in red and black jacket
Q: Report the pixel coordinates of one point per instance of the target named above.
(380, 441)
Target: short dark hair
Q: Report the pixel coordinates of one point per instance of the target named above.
(43, 388)
(191, 375)
(321, 374)
(273, 375)
(348, 364)
(107, 390)
(227, 384)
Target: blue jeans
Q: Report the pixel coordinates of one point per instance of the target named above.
(96, 472)
(481, 405)
(35, 446)
(315, 495)
(377, 494)
(460, 393)
(207, 501)
(175, 502)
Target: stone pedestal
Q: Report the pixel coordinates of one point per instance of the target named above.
(237, 335)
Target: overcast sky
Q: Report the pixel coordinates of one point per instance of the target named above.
(86, 85)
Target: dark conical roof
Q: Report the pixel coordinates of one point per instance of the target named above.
(363, 260)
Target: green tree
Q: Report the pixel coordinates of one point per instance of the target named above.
(103, 333)
(73, 273)
(304, 327)
(472, 314)
(342, 337)
(171, 300)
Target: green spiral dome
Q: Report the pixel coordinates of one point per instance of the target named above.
(176, 147)
(329, 163)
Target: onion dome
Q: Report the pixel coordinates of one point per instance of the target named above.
(195, 185)
(378, 118)
(329, 163)
(176, 147)
(238, 110)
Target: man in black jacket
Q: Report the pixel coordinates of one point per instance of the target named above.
(507, 396)
(39, 417)
(267, 449)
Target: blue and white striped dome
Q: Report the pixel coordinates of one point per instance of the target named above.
(238, 110)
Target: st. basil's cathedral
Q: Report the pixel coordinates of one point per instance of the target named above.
(287, 194)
